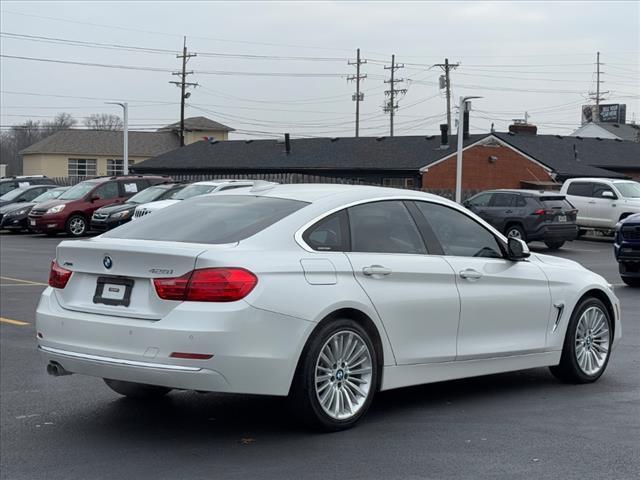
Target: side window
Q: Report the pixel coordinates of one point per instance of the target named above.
(107, 191)
(384, 227)
(502, 200)
(458, 234)
(520, 201)
(580, 189)
(600, 188)
(33, 193)
(329, 234)
(481, 200)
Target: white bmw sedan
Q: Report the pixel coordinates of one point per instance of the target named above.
(325, 293)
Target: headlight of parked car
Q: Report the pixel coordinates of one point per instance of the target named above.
(56, 209)
(121, 215)
(17, 213)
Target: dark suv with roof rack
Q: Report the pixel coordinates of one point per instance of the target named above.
(528, 214)
(72, 210)
(627, 249)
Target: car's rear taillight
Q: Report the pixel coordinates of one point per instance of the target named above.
(542, 211)
(58, 276)
(207, 285)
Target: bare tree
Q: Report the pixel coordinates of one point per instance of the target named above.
(62, 121)
(103, 121)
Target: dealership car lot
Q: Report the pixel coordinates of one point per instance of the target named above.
(523, 424)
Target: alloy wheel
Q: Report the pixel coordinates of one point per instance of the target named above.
(592, 340)
(77, 226)
(514, 233)
(343, 375)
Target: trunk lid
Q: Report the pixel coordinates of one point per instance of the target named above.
(116, 263)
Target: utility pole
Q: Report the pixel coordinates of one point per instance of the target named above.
(357, 97)
(597, 93)
(183, 84)
(392, 105)
(125, 134)
(447, 67)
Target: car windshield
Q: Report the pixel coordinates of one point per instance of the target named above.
(628, 189)
(13, 194)
(6, 187)
(147, 195)
(49, 195)
(192, 191)
(77, 191)
(215, 219)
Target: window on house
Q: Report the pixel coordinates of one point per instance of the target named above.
(398, 182)
(82, 167)
(115, 166)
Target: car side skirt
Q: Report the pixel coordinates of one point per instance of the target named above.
(407, 375)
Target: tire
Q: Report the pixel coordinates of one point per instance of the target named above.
(320, 373)
(136, 390)
(581, 233)
(631, 281)
(516, 231)
(76, 226)
(554, 245)
(577, 365)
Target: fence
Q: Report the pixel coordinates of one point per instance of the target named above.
(277, 178)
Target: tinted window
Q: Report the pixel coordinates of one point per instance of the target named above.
(13, 194)
(7, 187)
(214, 219)
(328, 234)
(458, 234)
(481, 200)
(520, 201)
(580, 189)
(556, 202)
(503, 200)
(600, 188)
(107, 191)
(148, 195)
(384, 227)
(33, 193)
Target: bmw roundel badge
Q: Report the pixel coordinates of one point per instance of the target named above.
(107, 262)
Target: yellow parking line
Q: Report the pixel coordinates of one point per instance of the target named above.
(27, 282)
(13, 322)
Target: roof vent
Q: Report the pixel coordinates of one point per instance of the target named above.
(249, 141)
(559, 136)
(379, 139)
(335, 139)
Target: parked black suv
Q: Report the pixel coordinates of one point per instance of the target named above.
(112, 216)
(9, 183)
(528, 214)
(627, 249)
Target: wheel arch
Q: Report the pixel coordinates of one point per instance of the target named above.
(364, 321)
(604, 298)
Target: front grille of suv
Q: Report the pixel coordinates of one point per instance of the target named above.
(630, 232)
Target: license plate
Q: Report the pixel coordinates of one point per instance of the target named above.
(32, 223)
(113, 291)
(562, 218)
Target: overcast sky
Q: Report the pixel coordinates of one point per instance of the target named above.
(519, 56)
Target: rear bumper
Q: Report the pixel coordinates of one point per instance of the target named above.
(555, 233)
(254, 351)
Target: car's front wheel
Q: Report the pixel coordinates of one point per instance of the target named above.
(136, 390)
(337, 376)
(76, 226)
(587, 343)
(551, 245)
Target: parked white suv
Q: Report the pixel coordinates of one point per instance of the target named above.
(602, 202)
(193, 190)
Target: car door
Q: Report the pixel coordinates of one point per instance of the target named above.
(579, 194)
(602, 206)
(106, 193)
(505, 305)
(500, 208)
(414, 293)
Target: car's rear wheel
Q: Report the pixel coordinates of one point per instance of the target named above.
(136, 390)
(76, 226)
(587, 343)
(337, 377)
(515, 231)
(554, 245)
(631, 281)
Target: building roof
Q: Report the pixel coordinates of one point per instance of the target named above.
(623, 131)
(104, 142)
(348, 153)
(198, 124)
(577, 157)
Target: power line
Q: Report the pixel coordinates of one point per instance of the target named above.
(392, 105)
(183, 84)
(358, 96)
(447, 67)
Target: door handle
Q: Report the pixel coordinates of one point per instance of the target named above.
(592, 202)
(376, 270)
(470, 274)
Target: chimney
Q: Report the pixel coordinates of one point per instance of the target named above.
(444, 136)
(521, 126)
(287, 143)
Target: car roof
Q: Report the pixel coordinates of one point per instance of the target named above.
(223, 181)
(533, 193)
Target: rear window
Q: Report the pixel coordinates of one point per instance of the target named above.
(556, 202)
(213, 219)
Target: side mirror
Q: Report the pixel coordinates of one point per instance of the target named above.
(517, 249)
(93, 198)
(608, 194)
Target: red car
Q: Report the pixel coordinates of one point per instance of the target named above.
(71, 211)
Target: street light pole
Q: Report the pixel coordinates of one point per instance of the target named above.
(463, 101)
(125, 148)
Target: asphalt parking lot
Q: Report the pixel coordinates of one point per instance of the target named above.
(517, 425)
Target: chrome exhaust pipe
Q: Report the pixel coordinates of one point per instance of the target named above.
(56, 370)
